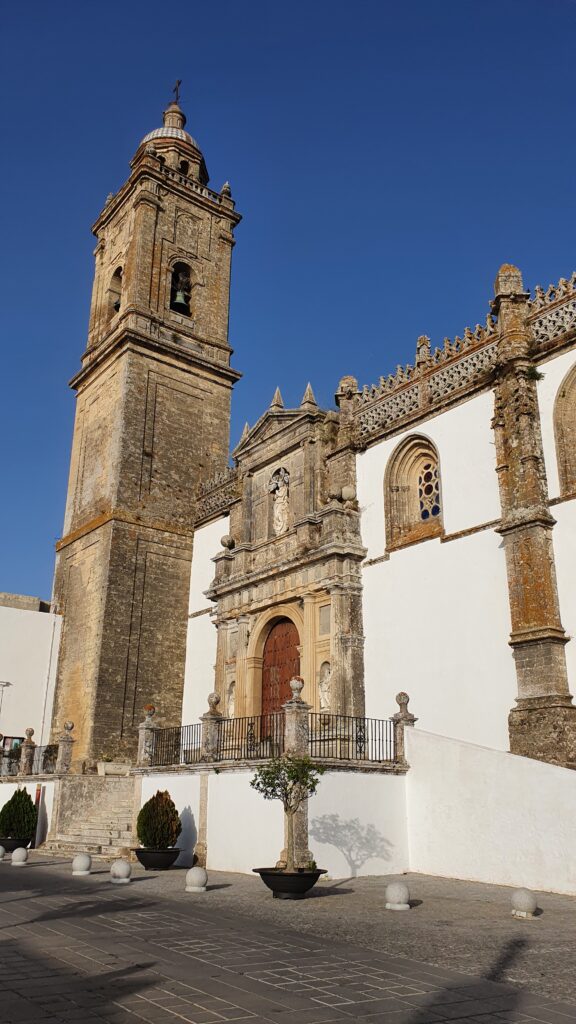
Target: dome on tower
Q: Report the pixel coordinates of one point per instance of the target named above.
(173, 128)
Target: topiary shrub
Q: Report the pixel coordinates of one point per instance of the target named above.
(158, 824)
(18, 817)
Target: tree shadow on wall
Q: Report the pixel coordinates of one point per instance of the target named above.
(357, 842)
(187, 839)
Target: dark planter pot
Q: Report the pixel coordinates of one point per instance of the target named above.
(156, 860)
(14, 844)
(289, 885)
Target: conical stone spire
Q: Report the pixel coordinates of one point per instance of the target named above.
(245, 432)
(277, 402)
(308, 401)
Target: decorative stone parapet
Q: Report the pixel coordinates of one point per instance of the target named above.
(211, 729)
(146, 737)
(401, 719)
(27, 753)
(65, 744)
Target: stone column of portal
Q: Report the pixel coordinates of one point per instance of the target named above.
(243, 697)
(347, 697)
(308, 648)
(543, 723)
(296, 744)
(221, 655)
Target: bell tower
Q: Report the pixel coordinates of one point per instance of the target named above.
(152, 421)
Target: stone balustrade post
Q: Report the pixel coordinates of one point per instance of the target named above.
(401, 719)
(296, 744)
(296, 721)
(65, 744)
(211, 729)
(146, 738)
(27, 753)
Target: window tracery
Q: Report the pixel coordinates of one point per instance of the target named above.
(412, 497)
(565, 432)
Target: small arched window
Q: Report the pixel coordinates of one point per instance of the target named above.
(115, 293)
(184, 167)
(181, 289)
(412, 493)
(565, 432)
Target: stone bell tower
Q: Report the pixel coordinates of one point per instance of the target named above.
(152, 421)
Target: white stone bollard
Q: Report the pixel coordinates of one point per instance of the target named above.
(19, 857)
(2, 853)
(120, 872)
(81, 864)
(524, 904)
(397, 896)
(196, 879)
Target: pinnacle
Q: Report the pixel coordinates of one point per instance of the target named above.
(245, 432)
(277, 402)
(308, 399)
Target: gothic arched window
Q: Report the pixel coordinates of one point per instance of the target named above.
(412, 493)
(565, 432)
(115, 293)
(181, 289)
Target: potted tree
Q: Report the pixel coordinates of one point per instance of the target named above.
(158, 827)
(18, 820)
(291, 780)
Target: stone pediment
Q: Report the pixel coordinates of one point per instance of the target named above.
(276, 421)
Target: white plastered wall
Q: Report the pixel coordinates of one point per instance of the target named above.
(201, 633)
(436, 615)
(489, 816)
(553, 371)
(29, 643)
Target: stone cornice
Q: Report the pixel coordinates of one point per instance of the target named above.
(121, 516)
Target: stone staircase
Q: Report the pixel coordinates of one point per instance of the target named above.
(94, 815)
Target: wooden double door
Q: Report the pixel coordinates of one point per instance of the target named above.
(281, 662)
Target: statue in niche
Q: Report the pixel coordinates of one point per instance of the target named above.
(279, 487)
(324, 686)
(231, 700)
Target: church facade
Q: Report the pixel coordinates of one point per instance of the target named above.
(418, 537)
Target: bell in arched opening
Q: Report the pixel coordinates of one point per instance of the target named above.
(181, 289)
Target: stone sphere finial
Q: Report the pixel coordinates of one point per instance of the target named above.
(68, 726)
(402, 700)
(296, 685)
(226, 190)
(228, 542)
(524, 904)
(29, 733)
(213, 702)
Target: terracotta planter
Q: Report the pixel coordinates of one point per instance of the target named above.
(156, 860)
(289, 885)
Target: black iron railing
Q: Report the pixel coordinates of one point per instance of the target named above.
(10, 761)
(253, 738)
(44, 760)
(345, 738)
(180, 744)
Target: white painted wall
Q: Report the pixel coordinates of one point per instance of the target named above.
(554, 371)
(489, 816)
(29, 643)
(564, 538)
(185, 791)
(201, 634)
(362, 817)
(463, 437)
(244, 830)
(437, 625)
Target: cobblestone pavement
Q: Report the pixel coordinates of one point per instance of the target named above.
(82, 950)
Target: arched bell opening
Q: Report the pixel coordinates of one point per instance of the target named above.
(181, 289)
(115, 293)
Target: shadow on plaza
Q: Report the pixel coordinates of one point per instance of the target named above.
(490, 994)
(40, 984)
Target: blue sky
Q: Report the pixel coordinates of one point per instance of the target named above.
(387, 158)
